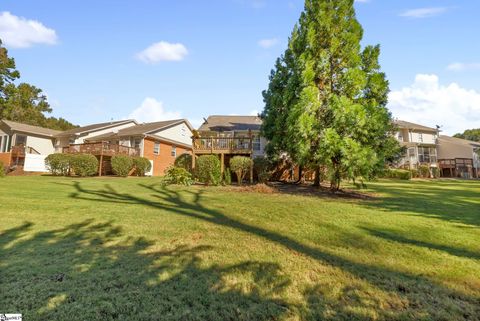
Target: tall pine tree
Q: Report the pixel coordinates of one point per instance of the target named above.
(327, 97)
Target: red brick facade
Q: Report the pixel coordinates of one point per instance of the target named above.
(5, 158)
(164, 159)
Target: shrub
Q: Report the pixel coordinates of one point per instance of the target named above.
(122, 165)
(398, 174)
(142, 166)
(2, 170)
(435, 172)
(261, 167)
(414, 173)
(184, 161)
(208, 170)
(240, 165)
(424, 171)
(58, 164)
(84, 164)
(227, 176)
(177, 175)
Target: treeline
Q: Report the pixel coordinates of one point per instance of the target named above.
(470, 134)
(23, 102)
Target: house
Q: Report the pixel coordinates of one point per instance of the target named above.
(229, 136)
(458, 157)
(160, 142)
(80, 134)
(420, 143)
(26, 145)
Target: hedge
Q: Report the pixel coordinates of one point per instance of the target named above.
(58, 164)
(177, 175)
(142, 166)
(398, 174)
(184, 161)
(261, 167)
(121, 165)
(84, 164)
(2, 170)
(208, 170)
(240, 165)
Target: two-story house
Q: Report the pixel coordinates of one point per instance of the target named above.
(420, 143)
(229, 136)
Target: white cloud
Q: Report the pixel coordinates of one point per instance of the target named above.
(460, 66)
(428, 102)
(268, 43)
(362, 1)
(152, 110)
(424, 12)
(18, 32)
(163, 51)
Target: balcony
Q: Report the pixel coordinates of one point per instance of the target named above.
(101, 149)
(223, 145)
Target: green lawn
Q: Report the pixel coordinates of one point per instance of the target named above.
(128, 249)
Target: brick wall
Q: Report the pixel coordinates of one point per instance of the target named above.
(5, 158)
(164, 159)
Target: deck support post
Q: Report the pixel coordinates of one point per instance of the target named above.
(100, 165)
(222, 163)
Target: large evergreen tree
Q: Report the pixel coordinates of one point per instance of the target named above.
(23, 102)
(326, 102)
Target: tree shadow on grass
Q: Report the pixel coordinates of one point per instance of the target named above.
(395, 295)
(88, 271)
(453, 202)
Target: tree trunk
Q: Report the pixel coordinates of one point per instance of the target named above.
(316, 182)
(300, 174)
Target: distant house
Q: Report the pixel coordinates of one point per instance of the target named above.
(229, 136)
(26, 145)
(160, 142)
(458, 157)
(420, 143)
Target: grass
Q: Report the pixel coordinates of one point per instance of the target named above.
(128, 249)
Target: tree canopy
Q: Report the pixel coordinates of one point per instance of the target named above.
(23, 102)
(470, 134)
(325, 106)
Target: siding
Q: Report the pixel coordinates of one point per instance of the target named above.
(43, 145)
(180, 133)
(162, 161)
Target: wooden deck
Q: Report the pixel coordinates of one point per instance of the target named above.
(101, 149)
(223, 145)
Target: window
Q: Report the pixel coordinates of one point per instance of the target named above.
(20, 140)
(420, 138)
(411, 152)
(427, 155)
(136, 142)
(400, 137)
(156, 148)
(256, 143)
(174, 151)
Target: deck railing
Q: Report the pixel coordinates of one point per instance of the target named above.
(218, 144)
(101, 148)
(21, 150)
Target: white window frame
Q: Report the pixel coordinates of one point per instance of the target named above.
(155, 145)
(256, 143)
(174, 151)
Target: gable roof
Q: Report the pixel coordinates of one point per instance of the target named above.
(143, 129)
(42, 131)
(94, 127)
(459, 141)
(413, 126)
(226, 123)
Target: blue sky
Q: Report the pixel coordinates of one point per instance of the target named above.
(214, 57)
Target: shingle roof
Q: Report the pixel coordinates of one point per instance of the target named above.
(459, 140)
(31, 129)
(142, 129)
(93, 127)
(408, 125)
(226, 123)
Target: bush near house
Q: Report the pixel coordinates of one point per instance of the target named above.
(142, 165)
(84, 164)
(262, 167)
(208, 170)
(177, 175)
(240, 165)
(58, 164)
(398, 174)
(424, 171)
(122, 165)
(184, 161)
(227, 176)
